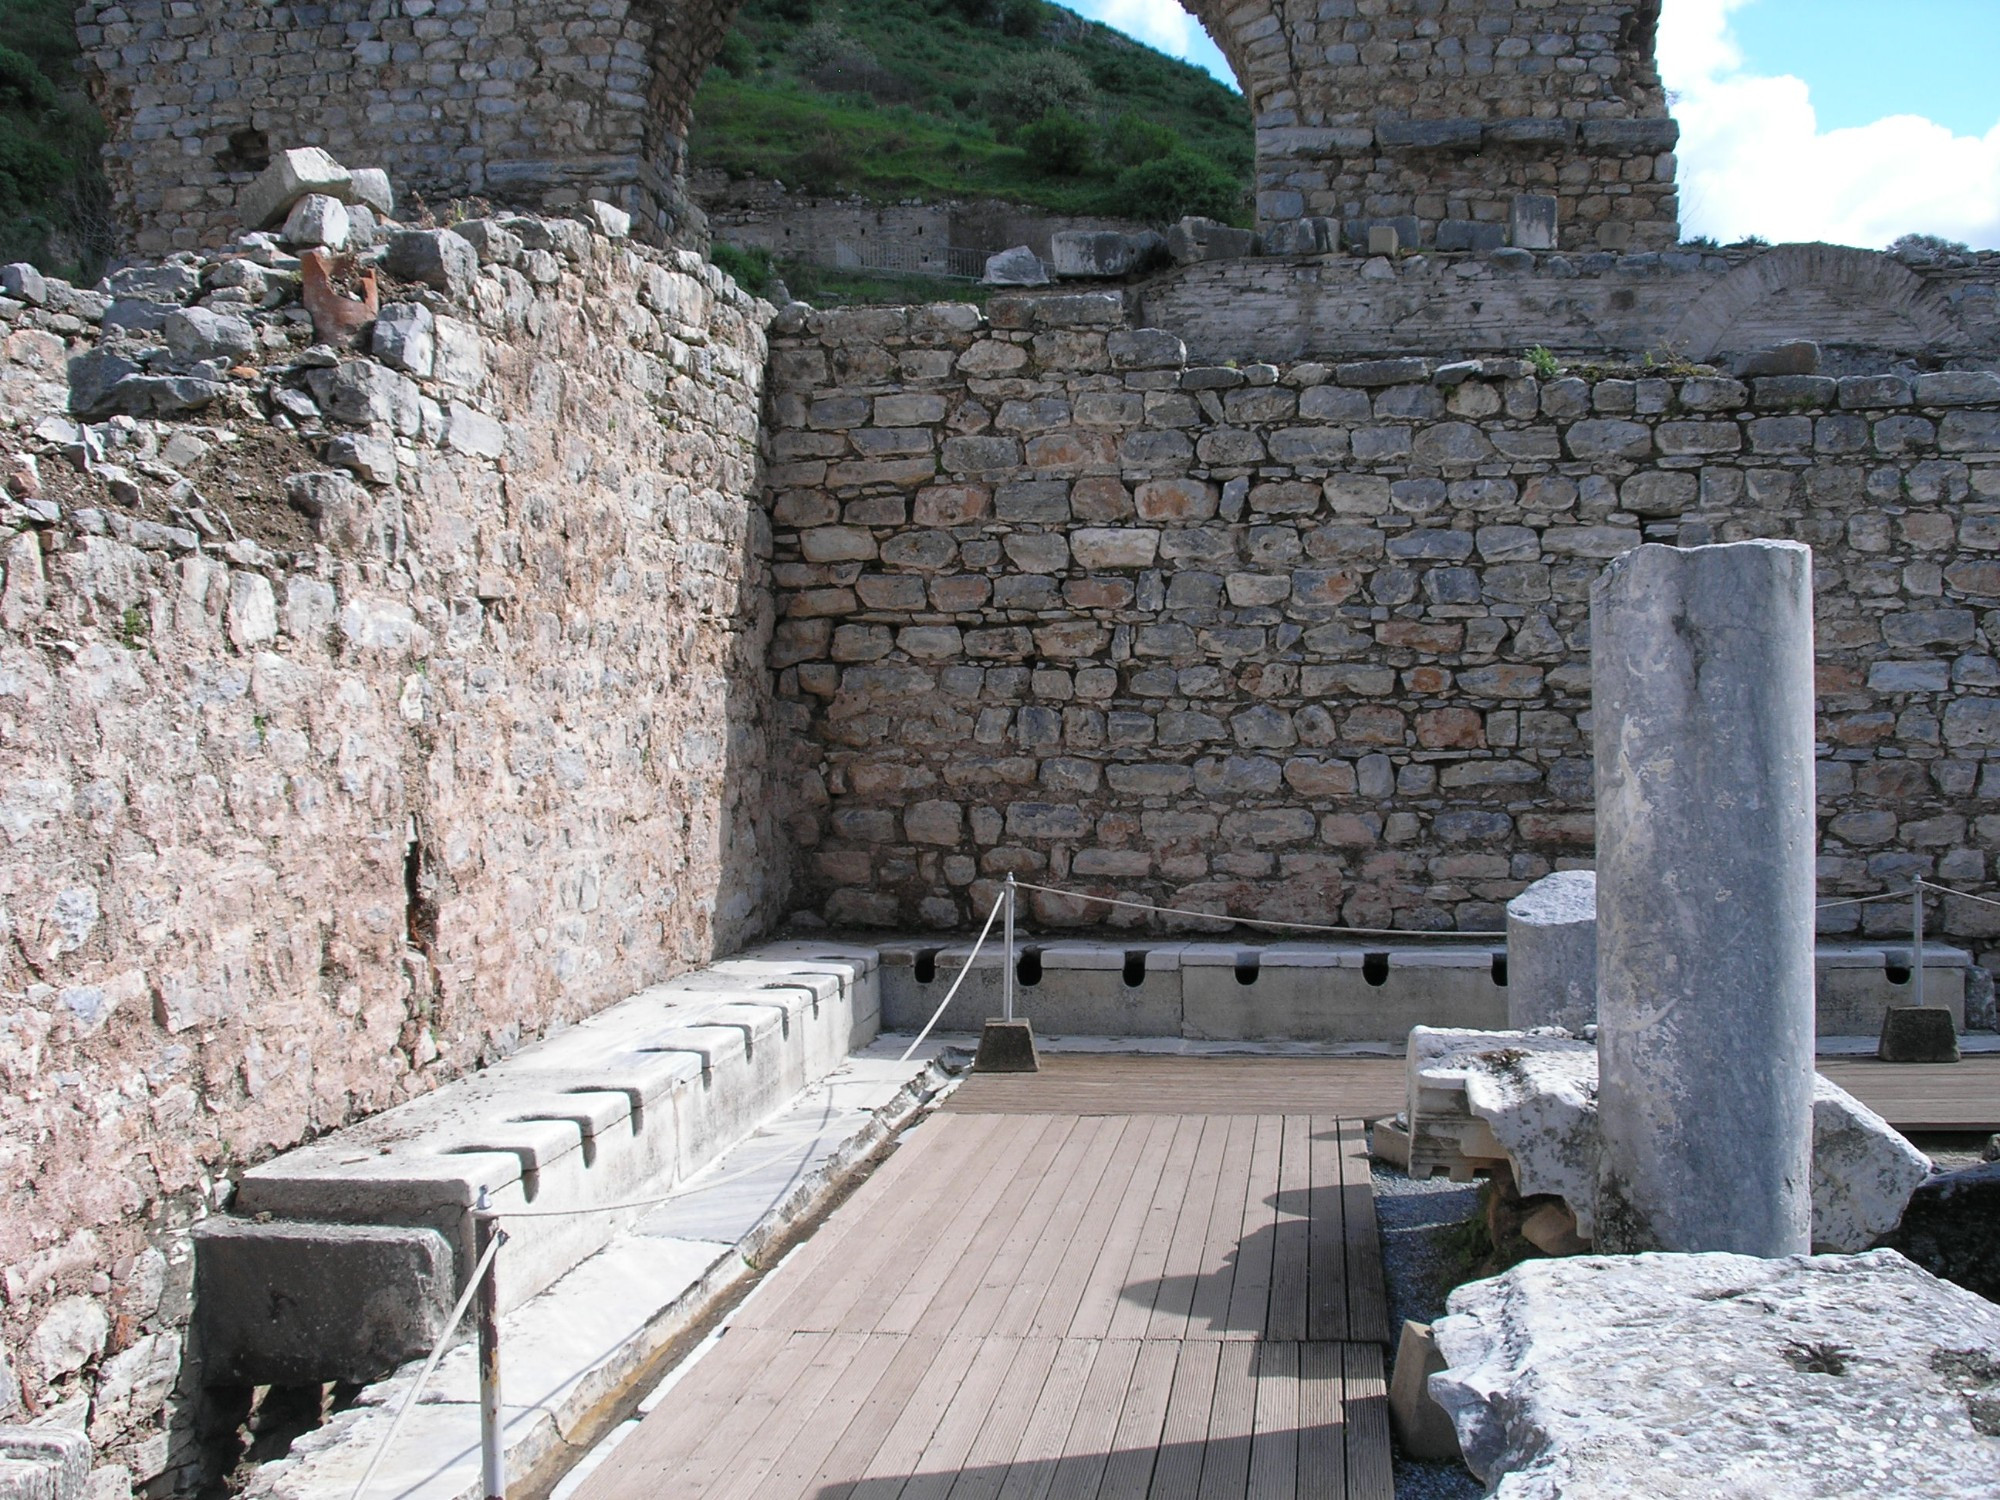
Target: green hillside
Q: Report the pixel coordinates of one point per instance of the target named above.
(53, 203)
(1014, 99)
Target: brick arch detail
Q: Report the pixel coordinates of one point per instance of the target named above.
(1856, 296)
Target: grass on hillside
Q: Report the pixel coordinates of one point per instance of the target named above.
(893, 99)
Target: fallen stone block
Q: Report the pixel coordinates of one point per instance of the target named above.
(1017, 267)
(318, 220)
(370, 187)
(24, 283)
(291, 175)
(197, 333)
(1424, 1430)
(437, 258)
(611, 222)
(43, 1463)
(1307, 236)
(1103, 254)
(171, 282)
(289, 1303)
(1196, 239)
(1633, 1377)
(1530, 1099)
(1918, 1034)
(406, 338)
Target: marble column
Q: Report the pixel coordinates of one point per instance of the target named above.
(1702, 702)
(1552, 953)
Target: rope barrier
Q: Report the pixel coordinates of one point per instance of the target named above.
(938, 1014)
(1945, 890)
(1211, 916)
(430, 1365)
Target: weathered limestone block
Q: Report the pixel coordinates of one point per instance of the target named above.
(436, 257)
(1017, 267)
(1537, 1096)
(291, 176)
(1633, 1377)
(1080, 254)
(1702, 689)
(1552, 953)
(43, 1463)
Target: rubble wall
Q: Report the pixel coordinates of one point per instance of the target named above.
(1311, 642)
(301, 823)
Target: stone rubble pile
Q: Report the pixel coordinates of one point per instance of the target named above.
(1536, 1095)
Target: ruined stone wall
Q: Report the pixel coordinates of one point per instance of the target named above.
(533, 105)
(1438, 114)
(302, 823)
(1431, 115)
(1311, 642)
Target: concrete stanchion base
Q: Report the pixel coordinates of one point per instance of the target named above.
(1918, 1034)
(1007, 1047)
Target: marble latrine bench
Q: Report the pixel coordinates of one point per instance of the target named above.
(1313, 992)
(340, 1260)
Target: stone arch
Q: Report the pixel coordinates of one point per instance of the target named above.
(1830, 293)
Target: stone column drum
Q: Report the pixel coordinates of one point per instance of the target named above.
(1702, 695)
(1552, 953)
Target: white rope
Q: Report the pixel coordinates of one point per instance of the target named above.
(938, 1014)
(1945, 890)
(1864, 900)
(430, 1365)
(693, 1185)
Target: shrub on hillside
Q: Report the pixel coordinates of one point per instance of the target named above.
(1135, 140)
(1175, 186)
(1024, 18)
(1037, 85)
(748, 265)
(823, 44)
(1060, 144)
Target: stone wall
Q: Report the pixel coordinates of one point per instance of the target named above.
(1430, 115)
(535, 106)
(1692, 303)
(1310, 642)
(1439, 114)
(300, 824)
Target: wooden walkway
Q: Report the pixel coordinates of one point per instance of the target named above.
(1056, 1304)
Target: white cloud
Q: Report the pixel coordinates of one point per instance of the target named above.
(1161, 24)
(1754, 160)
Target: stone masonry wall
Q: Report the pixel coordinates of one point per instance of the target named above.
(1311, 642)
(535, 106)
(303, 823)
(1440, 113)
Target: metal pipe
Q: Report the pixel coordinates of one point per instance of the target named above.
(1007, 976)
(492, 1455)
(1917, 942)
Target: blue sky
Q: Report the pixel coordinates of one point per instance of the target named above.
(1852, 121)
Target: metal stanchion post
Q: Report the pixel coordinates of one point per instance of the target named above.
(492, 1456)
(1917, 943)
(1007, 972)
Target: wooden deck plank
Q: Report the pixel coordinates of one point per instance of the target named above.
(1132, 1314)
(1093, 1432)
(1182, 1265)
(1046, 1439)
(874, 1457)
(1023, 1301)
(1249, 1313)
(1225, 1462)
(1003, 1272)
(930, 1474)
(746, 1474)
(1001, 1427)
(1326, 1246)
(1364, 1088)
(659, 1447)
(1111, 1271)
(898, 1301)
(1215, 1276)
(1322, 1423)
(941, 1314)
(709, 1458)
(1941, 1098)
(1274, 1450)
(1370, 1475)
(1367, 1292)
(1177, 1472)
(1142, 1424)
(1141, 1144)
(851, 1426)
(1291, 1236)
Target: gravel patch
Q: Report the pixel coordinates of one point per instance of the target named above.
(1415, 1219)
